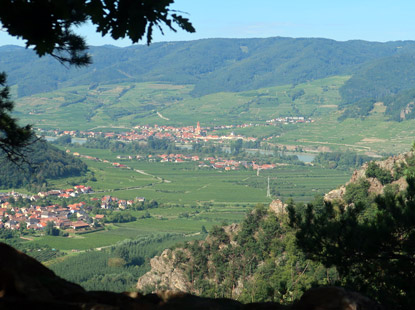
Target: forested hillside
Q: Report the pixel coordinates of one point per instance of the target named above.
(212, 65)
(377, 71)
(390, 80)
(43, 161)
(254, 261)
(359, 238)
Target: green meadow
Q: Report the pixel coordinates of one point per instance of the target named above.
(185, 220)
(186, 183)
(119, 232)
(119, 107)
(190, 197)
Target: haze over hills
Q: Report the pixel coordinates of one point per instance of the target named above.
(344, 96)
(212, 65)
(224, 81)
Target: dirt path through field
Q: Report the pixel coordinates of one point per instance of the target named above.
(162, 117)
(160, 179)
(153, 176)
(25, 238)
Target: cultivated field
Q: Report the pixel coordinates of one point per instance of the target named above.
(191, 197)
(186, 183)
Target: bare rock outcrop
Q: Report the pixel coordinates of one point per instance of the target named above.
(163, 275)
(336, 194)
(376, 186)
(231, 229)
(166, 274)
(278, 207)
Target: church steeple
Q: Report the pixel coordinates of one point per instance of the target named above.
(197, 131)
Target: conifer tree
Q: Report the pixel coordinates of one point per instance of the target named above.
(374, 255)
(48, 28)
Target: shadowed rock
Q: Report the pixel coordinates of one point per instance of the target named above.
(334, 298)
(27, 284)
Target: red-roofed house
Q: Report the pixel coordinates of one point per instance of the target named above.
(79, 225)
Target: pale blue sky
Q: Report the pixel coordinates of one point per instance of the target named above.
(341, 20)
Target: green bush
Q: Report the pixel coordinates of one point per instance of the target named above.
(374, 171)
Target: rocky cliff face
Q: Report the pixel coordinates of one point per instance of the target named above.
(278, 207)
(166, 272)
(164, 275)
(27, 284)
(376, 187)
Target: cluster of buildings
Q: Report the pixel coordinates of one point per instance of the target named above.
(186, 134)
(108, 202)
(290, 120)
(37, 217)
(73, 217)
(61, 193)
(205, 162)
(229, 164)
(233, 165)
(177, 158)
(64, 193)
(225, 164)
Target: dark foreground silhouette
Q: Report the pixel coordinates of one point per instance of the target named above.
(27, 284)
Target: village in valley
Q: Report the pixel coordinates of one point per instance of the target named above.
(65, 216)
(185, 134)
(34, 215)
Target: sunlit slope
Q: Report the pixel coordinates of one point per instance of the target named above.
(131, 104)
(108, 107)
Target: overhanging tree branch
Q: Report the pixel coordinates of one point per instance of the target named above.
(48, 27)
(13, 138)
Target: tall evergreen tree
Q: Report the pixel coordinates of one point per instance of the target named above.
(375, 255)
(13, 137)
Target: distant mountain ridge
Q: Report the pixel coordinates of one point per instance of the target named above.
(377, 71)
(212, 65)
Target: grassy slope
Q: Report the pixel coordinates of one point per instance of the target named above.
(121, 106)
(109, 105)
(185, 183)
(208, 197)
(373, 134)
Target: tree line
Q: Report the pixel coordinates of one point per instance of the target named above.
(43, 162)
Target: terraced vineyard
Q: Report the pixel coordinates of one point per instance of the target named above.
(126, 105)
(119, 107)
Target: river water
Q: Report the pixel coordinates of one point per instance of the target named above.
(304, 157)
(74, 140)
